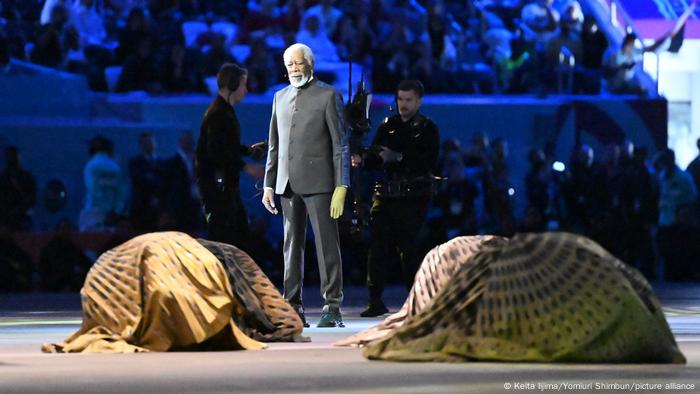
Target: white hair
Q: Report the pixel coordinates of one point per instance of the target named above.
(305, 50)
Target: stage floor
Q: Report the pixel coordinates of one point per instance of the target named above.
(30, 320)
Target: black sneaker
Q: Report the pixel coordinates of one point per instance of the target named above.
(331, 319)
(374, 309)
(300, 311)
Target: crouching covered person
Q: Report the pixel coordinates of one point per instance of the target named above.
(167, 291)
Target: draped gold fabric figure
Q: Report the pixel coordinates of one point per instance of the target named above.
(551, 297)
(160, 292)
(437, 268)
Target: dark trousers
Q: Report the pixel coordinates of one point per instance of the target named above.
(395, 225)
(296, 208)
(227, 220)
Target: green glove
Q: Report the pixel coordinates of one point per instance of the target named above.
(338, 201)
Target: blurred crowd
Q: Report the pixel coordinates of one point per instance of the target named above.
(642, 209)
(173, 46)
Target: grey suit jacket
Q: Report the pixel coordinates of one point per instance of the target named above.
(308, 144)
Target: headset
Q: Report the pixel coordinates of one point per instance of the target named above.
(230, 75)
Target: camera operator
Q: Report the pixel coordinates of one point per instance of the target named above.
(406, 148)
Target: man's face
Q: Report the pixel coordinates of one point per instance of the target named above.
(238, 94)
(408, 103)
(298, 69)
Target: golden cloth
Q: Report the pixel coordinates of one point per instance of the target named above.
(158, 292)
(437, 268)
(552, 297)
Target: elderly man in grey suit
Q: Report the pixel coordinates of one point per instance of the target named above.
(308, 164)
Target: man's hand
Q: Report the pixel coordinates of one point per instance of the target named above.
(268, 200)
(258, 150)
(338, 201)
(257, 171)
(356, 160)
(390, 156)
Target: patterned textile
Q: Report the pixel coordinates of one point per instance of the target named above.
(437, 268)
(266, 315)
(157, 292)
(551, 297)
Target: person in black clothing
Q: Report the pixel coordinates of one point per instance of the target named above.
(62, 263)
(17, 193)
(219, 160)
(406, 148)
(182, 197)
(147, 193)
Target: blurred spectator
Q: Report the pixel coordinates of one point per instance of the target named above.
(15, 265)
(537, 185)
(620, 67)
(167, 23)
(608, 219)
(105, 197)
(456, 196)
(579, 190)
(123, 8)
(313, 34)
(292, 14)
(476, 170)
(676, 188)
(594, 44)
(694, 167)
(48, 48)
(261, 66)
(4, 52)
(423, 67)
(515, 73)
(180, 71)
(539, 20)
(47, 10)
(640, 207)
(327, 16)
(137, 28)
(216, 54)
(677, 237)
(14, 30)
(266, 19)
(89, 23)
(182, 196)
(564, 45)
(499, 191)
(17, 193)
(147, 183)
(413, 13)
(354, 39)
(391, 63)
(62, 263)
(496, 41)
(140, 72)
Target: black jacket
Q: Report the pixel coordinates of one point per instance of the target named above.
(219, 150)
(418, 140)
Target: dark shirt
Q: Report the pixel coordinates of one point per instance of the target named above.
(147, 191)
(418, 140)
(694, 170)
(219, 150)
(17, 197)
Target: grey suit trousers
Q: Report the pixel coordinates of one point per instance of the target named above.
(294, 209)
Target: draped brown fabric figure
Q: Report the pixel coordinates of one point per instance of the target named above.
(437, 268)
(266, 316)
(165, 291)
(551, 297)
